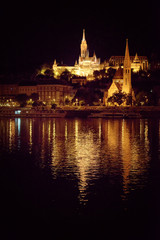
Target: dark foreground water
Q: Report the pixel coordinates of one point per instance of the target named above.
(80, 179)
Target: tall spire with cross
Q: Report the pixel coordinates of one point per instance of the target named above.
(84, 35)
(127, 88)
(84, 46)
(127, 62)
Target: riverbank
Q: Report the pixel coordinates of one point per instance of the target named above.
(104, 112)
(84, 112)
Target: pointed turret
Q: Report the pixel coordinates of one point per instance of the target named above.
(55, 63)
(136, 56)
(136, 59)
(94, 56)
(75, 63)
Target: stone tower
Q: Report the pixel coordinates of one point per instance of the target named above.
(127, 87)
(84, 50)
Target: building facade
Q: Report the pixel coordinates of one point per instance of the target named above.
(55, 93)
(8, 90)
(84, 67)
(137, 62)
(27, 89)
(122, 78)
(47, 92)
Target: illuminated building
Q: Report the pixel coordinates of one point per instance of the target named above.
(27, 89)
(48, 91)
(55, 92)
(85, 66)
(122, 78)
(79, 80)
(9, 90)
(137, 62)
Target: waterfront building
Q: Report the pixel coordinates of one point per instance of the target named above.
(57, 93)
(48, 91)
(27, 89)
(8, 90)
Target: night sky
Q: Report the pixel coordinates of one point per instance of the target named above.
(33, 34)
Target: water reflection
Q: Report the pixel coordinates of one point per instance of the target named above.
(87, 155)
(84, 149)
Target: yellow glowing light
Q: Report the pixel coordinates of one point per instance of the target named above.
(30, 136)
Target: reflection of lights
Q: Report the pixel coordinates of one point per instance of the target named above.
(30, 136)
(19, 126)
(43, 142)
(11, 133)
(66, 130)
(146, 131)
(54, 129)
(126, 157)
(76, 129)
(135, 147)
(53, 142)
(159, 130)
(100, 128)
(89, 149)
(86, 154)
(141, 127)
(49, 131)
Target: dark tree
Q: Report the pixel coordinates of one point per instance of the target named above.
(88, 96)
(34, 96)
(118, 98)
(66, 75)
(145, 98)
(54, 105)
(49, 72)
(22, 99)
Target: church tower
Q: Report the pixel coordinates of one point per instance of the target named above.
(127, 87)
(84, 50)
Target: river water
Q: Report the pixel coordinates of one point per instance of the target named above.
(80, 178)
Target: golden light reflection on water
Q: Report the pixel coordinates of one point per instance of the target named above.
(85, 149)
(30, 135)
(11, 134)
(86, 155)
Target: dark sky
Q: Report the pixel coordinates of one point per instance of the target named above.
(33, 34)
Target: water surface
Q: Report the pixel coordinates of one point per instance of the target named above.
(80, 178)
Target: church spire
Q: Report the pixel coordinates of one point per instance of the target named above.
(127, 62)
(84, 47)
(127, 87)
(83, 35)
